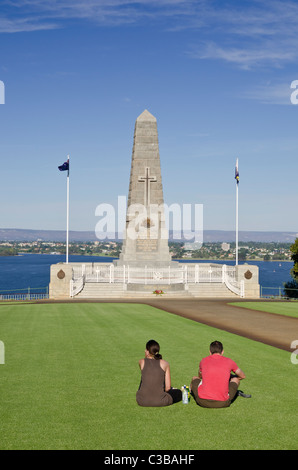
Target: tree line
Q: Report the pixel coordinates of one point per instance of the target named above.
(291, 287)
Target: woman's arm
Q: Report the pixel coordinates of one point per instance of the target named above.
(167, 377)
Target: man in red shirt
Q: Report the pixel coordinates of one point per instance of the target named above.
(214, 387)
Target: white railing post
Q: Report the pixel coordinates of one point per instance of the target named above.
(224, 271)
(185, 274)
(111, 273)
(197, 273)
(242, 288)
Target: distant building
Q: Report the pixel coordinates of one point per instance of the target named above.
(225, 246)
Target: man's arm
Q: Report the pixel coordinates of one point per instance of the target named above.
(200, 371)
(240, 374)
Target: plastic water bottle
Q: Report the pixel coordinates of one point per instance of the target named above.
(184, 395)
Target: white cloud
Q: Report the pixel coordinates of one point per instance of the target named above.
(42, 13)
(245, 34)
(18, 25)
(246, 57)
(260, 34)
(269, 93)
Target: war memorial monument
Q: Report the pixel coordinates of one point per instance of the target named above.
(145, 263)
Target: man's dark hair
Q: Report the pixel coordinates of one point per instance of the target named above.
(216, 347)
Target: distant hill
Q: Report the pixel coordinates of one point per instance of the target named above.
(10, 234)
(249, 236)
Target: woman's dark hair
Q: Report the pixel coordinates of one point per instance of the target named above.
(153, 348)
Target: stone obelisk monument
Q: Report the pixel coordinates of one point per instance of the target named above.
(145, 236)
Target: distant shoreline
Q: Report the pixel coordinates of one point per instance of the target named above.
(229, 259)
(174, 259)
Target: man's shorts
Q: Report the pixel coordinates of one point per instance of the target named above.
(233, 387)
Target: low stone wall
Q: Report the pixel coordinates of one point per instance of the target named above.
(250, 275)
(61, 275)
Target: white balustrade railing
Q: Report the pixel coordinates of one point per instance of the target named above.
(184, 274)
(229, 278)
(76, 285)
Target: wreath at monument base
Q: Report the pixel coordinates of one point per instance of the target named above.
(158, 292)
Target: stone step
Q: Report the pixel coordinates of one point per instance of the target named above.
(97, 290)
(147, 295)
(210, 290)
(106, 290)
(110, 292)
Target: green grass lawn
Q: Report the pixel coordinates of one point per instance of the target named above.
(289, 309)
(71, 374)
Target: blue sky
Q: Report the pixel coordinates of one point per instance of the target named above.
(216, 74)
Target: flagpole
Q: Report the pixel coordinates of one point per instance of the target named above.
(236, 224)
(67, 212)
(237, 189)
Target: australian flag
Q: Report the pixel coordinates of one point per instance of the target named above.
(237, 172)
(64, 167)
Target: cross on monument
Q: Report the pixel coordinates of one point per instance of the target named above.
(147, 179)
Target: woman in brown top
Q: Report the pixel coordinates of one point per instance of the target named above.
(155, 387)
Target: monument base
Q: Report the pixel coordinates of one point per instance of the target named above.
(101, 280)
